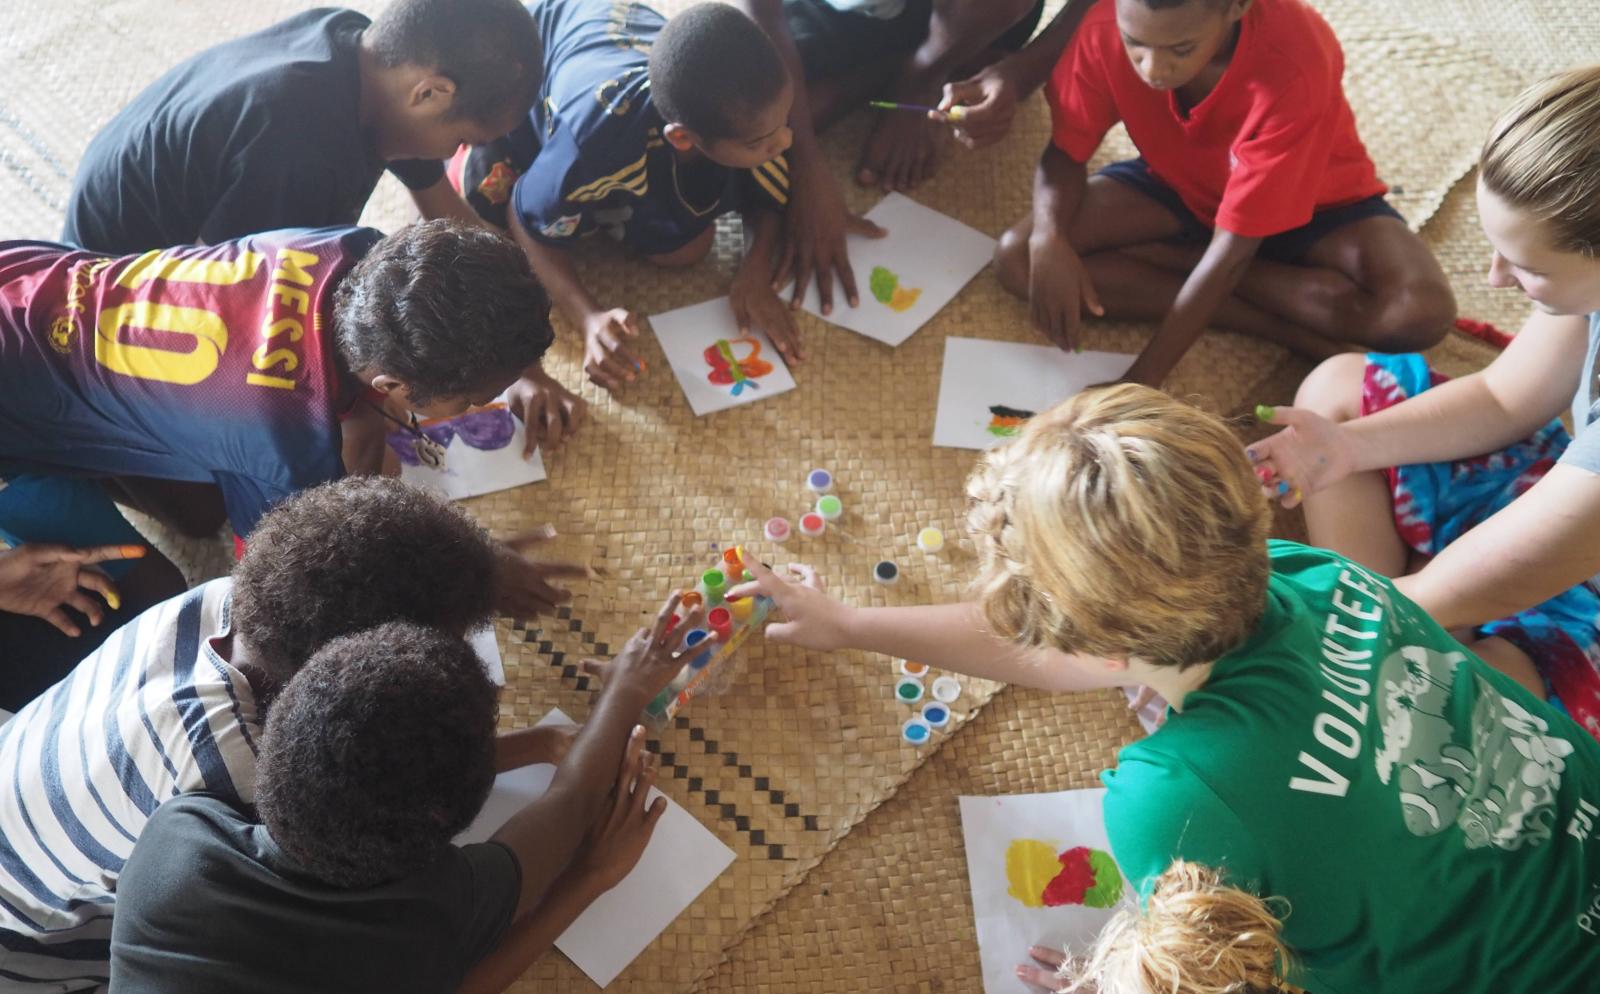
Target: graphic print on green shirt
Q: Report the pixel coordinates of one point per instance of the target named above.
(1428, 820)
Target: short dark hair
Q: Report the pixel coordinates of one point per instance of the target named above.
(489, 48)
(445, 307)
(377, 754)
(711, 67)
(346, 556)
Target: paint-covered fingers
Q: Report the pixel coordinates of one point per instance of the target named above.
(607, 361)
(1044, 972)
(550, 412)
(1311, 454)
(664, 620)
(103, 553)
(756, 307)
(93, 580)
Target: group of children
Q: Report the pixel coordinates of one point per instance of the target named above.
(280, 760)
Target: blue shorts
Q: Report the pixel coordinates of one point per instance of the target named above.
(70, 510)
(1288, 246)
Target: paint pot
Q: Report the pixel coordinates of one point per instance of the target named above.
(819, 481)
(946, 689)
(690, 600)
(732, 559)
(741, 609)
(886, 573)
(777, 530)
(697, 637)
(749, 577)
(908, 668)
(936, 714)
(713, 582)
(721, 621)
(830, 507)
(813, 525)
(930, 540)
(908, 690)
(916, 731)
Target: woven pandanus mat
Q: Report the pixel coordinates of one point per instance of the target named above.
(806, 745)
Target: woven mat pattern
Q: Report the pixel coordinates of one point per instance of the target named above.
(805, 746)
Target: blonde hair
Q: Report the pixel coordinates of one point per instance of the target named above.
(1121, 522)
(1543, 157)
(1196, 935)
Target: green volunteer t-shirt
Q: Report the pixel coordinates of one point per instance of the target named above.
(1431, 823)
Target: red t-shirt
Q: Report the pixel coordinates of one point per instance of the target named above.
(1272, 143)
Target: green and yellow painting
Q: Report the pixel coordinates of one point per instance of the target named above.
(886, 290)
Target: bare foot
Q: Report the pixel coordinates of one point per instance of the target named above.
(901, 152)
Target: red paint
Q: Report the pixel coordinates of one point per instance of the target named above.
(721, 621)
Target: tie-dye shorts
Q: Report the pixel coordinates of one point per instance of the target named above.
(1437, 503)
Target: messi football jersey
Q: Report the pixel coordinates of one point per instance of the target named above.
(205, 363)
(592, 149)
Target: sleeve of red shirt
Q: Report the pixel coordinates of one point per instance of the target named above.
(1278, 167)
(1079, 95)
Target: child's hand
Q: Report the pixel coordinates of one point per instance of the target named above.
(526, 590)
(1310, 454)
(43, 579)
(1059, 290)
(606, 360)
(618, 839)
(651, 658)
(756, 306)
(1043, 974)
(550, 412)
(814, 620)
(988, 101)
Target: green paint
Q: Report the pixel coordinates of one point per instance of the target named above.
(1264, 412)
(1107, 889)
(909, 691)
(884, 283)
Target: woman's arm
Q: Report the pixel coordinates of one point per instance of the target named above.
(1546, 541)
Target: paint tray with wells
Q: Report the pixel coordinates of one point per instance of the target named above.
(713, 650)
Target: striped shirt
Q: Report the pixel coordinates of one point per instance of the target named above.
(154, 713)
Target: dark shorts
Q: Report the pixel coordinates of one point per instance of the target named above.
(832, 42)
(1288, 246)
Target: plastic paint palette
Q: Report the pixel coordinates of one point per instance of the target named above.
(930, 540)
(916, 731)
(813, 525)
(886, 573)
(909, 668)
(935, 714)
(908, 690)
(777, 529)
(830, 507)
(819, 481)
(946, 689)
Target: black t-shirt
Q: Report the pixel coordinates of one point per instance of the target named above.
(208, 902)
(258, 133)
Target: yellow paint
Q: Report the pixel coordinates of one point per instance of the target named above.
(903, 298)
(1030, 865)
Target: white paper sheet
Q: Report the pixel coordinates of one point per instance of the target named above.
(691, 337)
(905, 277)
(483, 453)
(1056, 835)
(984, 383)
(682, 859)
(486, 644)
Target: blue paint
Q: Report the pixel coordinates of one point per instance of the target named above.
(935, 714)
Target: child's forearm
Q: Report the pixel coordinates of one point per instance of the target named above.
(442, 200)
(545, 834)
(1032, 65)
(764, 227)
(956, 637)
(1058, 185)
(1214, 279)
(531, 936)
(555, 270)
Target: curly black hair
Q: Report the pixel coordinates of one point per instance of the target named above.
(489, 48)
(344, 556)
(447, 308)
(377, 754)
(712, 68)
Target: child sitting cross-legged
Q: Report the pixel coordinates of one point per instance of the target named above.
(1328, 744)
(1253, 205)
